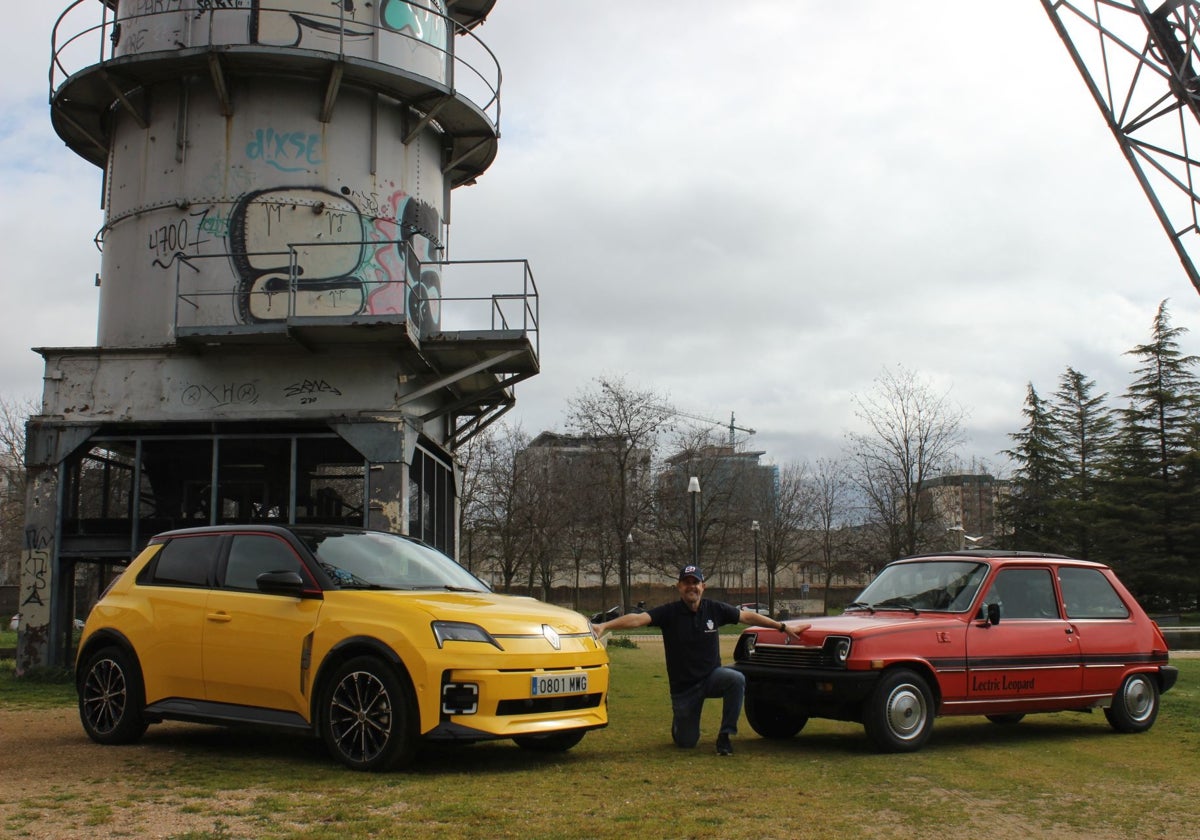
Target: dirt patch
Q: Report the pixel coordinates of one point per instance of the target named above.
(59, 785)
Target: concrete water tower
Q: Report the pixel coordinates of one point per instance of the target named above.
(282, 332)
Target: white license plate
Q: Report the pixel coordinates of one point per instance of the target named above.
(549, 685)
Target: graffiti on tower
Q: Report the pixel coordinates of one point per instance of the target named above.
(336, 25)
(310, 252)
(308, 23)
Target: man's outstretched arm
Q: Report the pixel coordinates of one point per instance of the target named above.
(622, 622)
(758, 620)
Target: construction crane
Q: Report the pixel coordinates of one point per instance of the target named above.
(731, 426)
(1141, 68)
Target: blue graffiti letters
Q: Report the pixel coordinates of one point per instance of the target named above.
(287, 151)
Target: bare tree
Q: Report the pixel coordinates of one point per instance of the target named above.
(550, 515)
(471, 458)
(624, 425)
(13, 414)
(585, 534)
(496, 520)
(783, 512)
(731, 495)
(829, 512)
(914, 432)
(580, 539)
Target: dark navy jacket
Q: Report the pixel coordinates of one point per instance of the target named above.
(690, 639)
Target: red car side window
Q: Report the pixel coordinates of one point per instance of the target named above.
(1088, 594)
(1025, 593)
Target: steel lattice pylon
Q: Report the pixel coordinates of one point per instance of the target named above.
(1141, 67)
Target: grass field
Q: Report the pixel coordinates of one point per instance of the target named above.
(1062, 776)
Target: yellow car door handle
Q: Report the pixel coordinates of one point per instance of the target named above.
(220, 616)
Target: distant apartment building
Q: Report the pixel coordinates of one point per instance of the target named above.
(966, 504)
(733, 473)
(584, 468)
(596, 486)
(736, 492)
(566, 453)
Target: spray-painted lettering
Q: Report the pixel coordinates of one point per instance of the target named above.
(38, 538)
(154, 7)
(309, 23)
(287, 151)
(205, 6)
(220, 395)
(167, 239)
(210, 222)
(33, 576)
(135, 42)
(172, 242)
(309, 389)
(368, 203)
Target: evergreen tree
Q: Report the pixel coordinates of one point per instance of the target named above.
(1152, 496)
(1083, 427)
(1036, 480)
(1189, 533)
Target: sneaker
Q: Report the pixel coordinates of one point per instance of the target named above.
(724, 747)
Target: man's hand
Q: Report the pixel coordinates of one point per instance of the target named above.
(794, 630)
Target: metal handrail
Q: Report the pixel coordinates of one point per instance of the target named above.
(107, 37)
(528, 296)
(503, 312)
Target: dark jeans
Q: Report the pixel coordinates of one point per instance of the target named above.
(726, 683)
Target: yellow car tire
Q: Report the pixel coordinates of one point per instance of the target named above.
(368, 716)
(111, 697)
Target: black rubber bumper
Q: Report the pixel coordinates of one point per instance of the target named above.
(809, 686)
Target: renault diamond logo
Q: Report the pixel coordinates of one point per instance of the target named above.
(551, 636)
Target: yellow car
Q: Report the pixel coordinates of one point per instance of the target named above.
(370, 640)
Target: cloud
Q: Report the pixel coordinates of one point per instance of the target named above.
(752, 207)
(770, 204)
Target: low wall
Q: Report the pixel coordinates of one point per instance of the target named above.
(1182, 638)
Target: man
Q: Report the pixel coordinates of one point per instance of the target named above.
(692, 647)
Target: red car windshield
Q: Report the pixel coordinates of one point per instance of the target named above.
(937, 585)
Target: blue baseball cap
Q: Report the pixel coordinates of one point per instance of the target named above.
(691, 571)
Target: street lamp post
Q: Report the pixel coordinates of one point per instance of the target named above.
(960, 535)
(694, 492)
(754, 531)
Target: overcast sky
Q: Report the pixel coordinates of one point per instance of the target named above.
(750, 207)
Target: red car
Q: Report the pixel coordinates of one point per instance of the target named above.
(1000, 634)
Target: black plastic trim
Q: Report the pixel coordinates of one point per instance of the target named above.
(205, 711)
